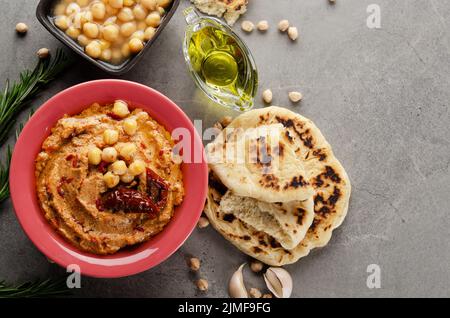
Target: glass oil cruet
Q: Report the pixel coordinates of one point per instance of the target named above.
(219, 61)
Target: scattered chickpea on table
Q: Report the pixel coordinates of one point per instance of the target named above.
(110, 30)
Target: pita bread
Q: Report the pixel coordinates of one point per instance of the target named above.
(259, 162)
(286, 222)
(231, 10)
(326, 174)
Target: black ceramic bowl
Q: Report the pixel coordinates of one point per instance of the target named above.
(44, 15)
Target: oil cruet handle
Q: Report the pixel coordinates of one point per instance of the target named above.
(191, 15)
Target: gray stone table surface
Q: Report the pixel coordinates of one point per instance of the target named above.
(381, 98)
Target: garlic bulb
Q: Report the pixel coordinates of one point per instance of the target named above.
(236, 287)
(279, 282)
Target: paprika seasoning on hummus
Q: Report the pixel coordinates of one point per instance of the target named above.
(106, 178)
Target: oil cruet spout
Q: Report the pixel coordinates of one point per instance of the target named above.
(190, 15)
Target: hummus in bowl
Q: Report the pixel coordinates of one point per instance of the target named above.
(106, 178)
(145, 248)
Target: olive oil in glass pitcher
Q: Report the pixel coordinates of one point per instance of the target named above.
(220, 63)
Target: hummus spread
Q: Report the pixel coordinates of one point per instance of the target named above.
(91, 213)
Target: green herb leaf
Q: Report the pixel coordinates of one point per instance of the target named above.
(16, 96)
(45, 288)
(4, 168)
(4, 176)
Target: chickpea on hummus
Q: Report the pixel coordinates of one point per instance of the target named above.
(106, 178)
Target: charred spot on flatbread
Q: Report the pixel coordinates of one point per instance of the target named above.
(319, 154)
(229, 218)
(270, 181)
(323, 206)
(300, 213)
(296, 182)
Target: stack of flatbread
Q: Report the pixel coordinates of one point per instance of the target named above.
(276, 190)
(231, 10)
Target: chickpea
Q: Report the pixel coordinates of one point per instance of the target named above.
(161, 11)
(83, 40)
(60, 9)
(127, 151)
(140, 13)
(149, 4)
(98, 10)
(110, 136)
(164, 3)
(194, 264)
(110, 11)
(137, 167)
(62, 22)
(83, 3)
(72, 8)
(120, 109)
(109, 21)
(256, 266)
(111, 179)
(255, 293)
(283, 25)
(116, 55)
(138, 35)
(104, 44)
(128, 3)
(153, 19)
(202, 284)
(21, 28)
(125, 15)
(295, 97)
(110, 32)
(130, 126)
(293, 33)
(141, 26)
(203, 222)
(247, 26)
(73, 32)
(76, 21)
(136, 45)
(93, 49)
(87, 17)
(109, 154)
(43, 53)
(126, 178)
(125, 50)
(94, 156)
(149, 33)
(91, 30)
(142, 116)
(116, 4)
(119, 167)
(127, 29)
(106, 55)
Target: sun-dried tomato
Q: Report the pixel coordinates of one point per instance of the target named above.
(128, 201)
(157, 188)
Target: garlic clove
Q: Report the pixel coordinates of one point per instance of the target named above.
(279, 282)
(236, 287)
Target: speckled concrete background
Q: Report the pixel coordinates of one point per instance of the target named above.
(381, 97)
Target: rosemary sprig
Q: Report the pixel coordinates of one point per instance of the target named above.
(45, 288)
(16, 96)
(4, 175)
(4, 168)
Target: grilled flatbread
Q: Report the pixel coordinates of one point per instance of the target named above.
(325, 173)
(231, 10)
(287, 222)
(259, 162)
